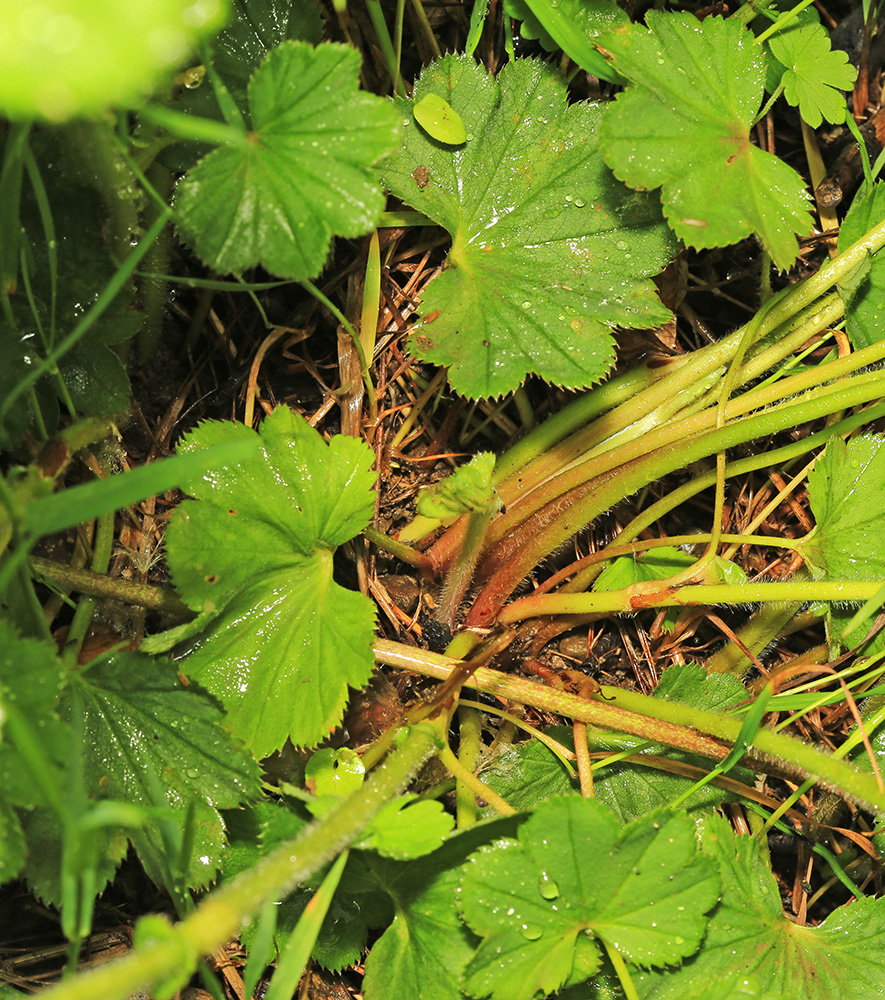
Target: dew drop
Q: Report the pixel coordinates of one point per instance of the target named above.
(531, 932)
(548, 888)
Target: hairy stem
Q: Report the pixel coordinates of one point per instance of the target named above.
(708, 734)
(219, 917)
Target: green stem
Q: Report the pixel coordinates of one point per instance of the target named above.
(598, 447)
(470, 782)
(86, 581)
(193, 127)
(461, 573)
(620, 967)
(707, 734)
(765, 627)
(385, 43)
(405, 553)
(101, 557)
(656, 594)
(778, 457)
(574, 416)
(220, 915)
(523, 549)
(469, 751)
(668, 429)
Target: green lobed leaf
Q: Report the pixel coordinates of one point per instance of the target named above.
(541, 904)
(64, 57)
(364, 898)
(570, 25)
(847, 492)
(422, 954)
(815, 72)
(684, 126)
(256, 27)
(12, 843)
(549, 252)
(406, 829)
(749, 938)
(140, 721)
(46, 845)
(303, 173)
(865, 304)
(31, 679)
(281, 640)
(359, 904)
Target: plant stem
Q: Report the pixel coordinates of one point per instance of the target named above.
(779, 456)
(672, 429)
(220, 915)
(657, 594)
(708, 734)
(469, 750)
(405, 553)
(523, 549)
(86, 581)
(470, 781)
(101, 556)
(461, 573)
(685, 388)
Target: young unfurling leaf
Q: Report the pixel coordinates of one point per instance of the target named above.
(468, 489)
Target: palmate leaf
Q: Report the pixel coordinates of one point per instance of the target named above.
(749, 938)
(576, 877)
(549, 251)
(422, 954)
(31, 678)
(847, 492)
(684, 126)
(304, 172)
(814, 72)
(255, 27)
(143, 728)
(279, 640)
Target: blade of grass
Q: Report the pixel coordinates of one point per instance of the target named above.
(104, 496)
(296, 951)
